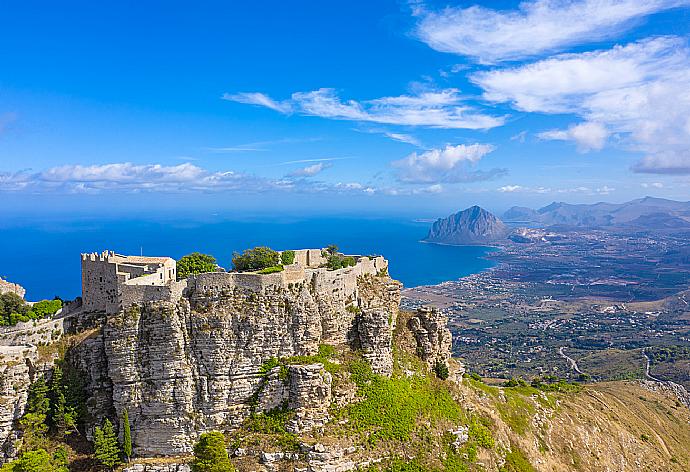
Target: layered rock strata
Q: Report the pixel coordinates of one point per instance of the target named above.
(192, 363)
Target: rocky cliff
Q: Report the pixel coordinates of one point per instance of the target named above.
(471, 226)
(191, 365)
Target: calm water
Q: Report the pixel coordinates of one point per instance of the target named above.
(44, 257)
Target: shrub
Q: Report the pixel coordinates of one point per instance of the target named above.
(210, 454)
(441, 370)
(287, 257)
(256, 259)
(195, 263)
(37, 460)
(271, 270)
(13, 309)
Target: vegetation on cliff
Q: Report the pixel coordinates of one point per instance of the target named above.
(258, 258)
(195, 263)
(14, 309)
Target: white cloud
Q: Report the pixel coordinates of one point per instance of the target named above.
(536, 27)
(652, 185)
(435, 109)
(450, 164)
(310, 171)
(147, 178)
(638, 91)
(603, 190)
(257, 98)
(588, 136)
(511, 188)
(404, 138)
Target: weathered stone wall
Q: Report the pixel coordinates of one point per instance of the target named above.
(9, 287)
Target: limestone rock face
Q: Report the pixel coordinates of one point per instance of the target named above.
(184, 367)
(310, 396)
(373, 327)
(434, 340)
(15, 378)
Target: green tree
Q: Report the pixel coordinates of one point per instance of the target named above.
(105, 446)
(37, 400)
(57, 401)
(210, 454)
(13, 308)
(126, 436)
(260, 257)
(195, 263)
(44, 308)
(37, 460)
(287, 257)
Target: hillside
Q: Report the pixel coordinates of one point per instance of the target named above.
(471, 226)
(644, 213)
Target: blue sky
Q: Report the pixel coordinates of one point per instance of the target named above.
(392, 107)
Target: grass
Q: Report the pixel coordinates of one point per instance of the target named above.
(516, 462)
(392, 408)
(271, 270)
(274, 423)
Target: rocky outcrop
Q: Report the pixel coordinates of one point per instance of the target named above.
(471, 226)
(185, 367)
(9, 287)
(434, 341)
(309, 397)
(15, 378)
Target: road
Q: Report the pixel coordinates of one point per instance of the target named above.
(646, 373)
(573, 362)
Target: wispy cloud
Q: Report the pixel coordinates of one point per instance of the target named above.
(451, 164)
(257, 98)
(320, 159)
(310, 171)
(127, 177)
(536, 27)
(603, 190)
(404, 138)
(638, 91)
(259, 145)
(436, 109)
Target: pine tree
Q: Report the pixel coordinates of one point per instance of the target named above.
(106, 448)
(37, 401)
(210, 454)
(126, 436)
(57, 396)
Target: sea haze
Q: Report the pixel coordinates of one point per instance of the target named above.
(44, 256)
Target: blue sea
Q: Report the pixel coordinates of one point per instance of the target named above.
(43, 256)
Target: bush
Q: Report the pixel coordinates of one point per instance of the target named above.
(13, 308)
(195, 263)
(37, 460)
(271, 270)
(256, 259)
(210, 454)
(441, 370)
(338, 261)
(287, 257)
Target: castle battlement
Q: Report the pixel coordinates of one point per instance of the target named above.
(111, 282)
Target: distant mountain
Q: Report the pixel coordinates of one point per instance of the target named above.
(645, 213)
(471, 226)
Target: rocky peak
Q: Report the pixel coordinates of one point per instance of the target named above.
(474, 225)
